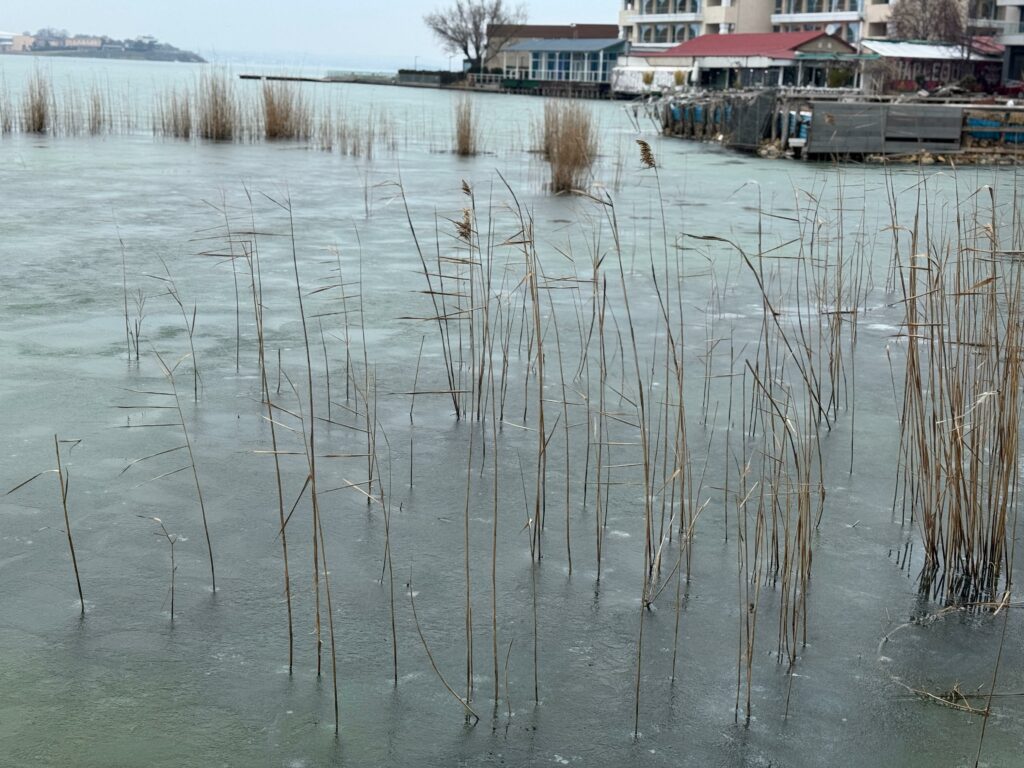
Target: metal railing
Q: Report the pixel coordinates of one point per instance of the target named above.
(555, 76)
(999, 26)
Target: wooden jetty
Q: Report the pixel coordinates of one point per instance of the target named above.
(331, 77)
(822, 126)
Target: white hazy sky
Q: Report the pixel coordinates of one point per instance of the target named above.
(350, 30)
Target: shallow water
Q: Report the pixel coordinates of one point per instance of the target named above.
(127, 686)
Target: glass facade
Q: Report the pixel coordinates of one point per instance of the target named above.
(588, 67)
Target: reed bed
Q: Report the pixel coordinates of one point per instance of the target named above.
(38, 106)
(287, 113)
(467, 128)
(568, 141)
(211, 109)
(961, 408)
(8, 115)
(172, 115)
(218, 113)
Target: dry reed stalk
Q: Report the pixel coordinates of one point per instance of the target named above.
(173, 403)
(570, 145)
(471, 716)
(64, 479)
(169, 374)
(962, 410)
(252, 256)
(189, 322)
(38, 105)
(175, 114)
(467, 128)
(99, 117)
(286, 112)
(219, 114)
(8, 116)
(320, 566)
(436, 298)
(171, 539)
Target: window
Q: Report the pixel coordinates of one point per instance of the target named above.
(563, 66)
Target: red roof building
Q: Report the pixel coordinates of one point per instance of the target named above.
(768, 45)
(755, 60)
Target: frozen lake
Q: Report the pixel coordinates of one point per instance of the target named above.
(642, 385)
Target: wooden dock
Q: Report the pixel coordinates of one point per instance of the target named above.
(346, 77)
(817, 127)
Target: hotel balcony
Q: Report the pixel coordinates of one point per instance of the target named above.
(1009, 31)
(824, 17)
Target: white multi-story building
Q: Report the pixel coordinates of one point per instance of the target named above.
(655, 25)
(650, 25)
(1011, 34)
(843, 17)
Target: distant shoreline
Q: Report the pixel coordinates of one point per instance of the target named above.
(106, 53)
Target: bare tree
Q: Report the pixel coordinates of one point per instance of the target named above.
(465, 27)
(937, 20)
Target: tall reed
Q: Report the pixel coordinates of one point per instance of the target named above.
(569, 144)
(286, 112)
(961, 411)
(37, 104)
(173, 114)
(467, 128)
(217, 107)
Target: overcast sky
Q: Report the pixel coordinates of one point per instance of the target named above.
(346, 30)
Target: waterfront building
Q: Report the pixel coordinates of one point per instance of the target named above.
(650, 24)
(743, 60)
(83, 41)
(656, 25)
(910, 66)
(501, 37)
(1010, 33)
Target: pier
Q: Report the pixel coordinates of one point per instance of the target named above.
(824, 126)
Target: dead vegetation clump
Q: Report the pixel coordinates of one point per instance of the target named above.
(569, 143)
(217, 107)
(37, 105)
(466, 129)
(286, 112)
